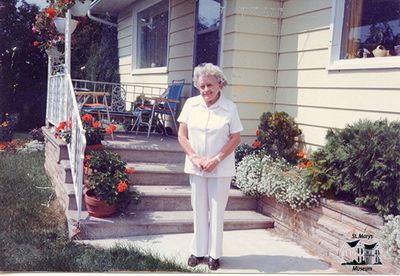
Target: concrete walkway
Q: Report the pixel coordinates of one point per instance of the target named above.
(245, 251)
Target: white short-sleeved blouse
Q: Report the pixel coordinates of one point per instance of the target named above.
(209, 129)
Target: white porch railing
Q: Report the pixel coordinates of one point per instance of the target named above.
(62, 106)
(130, 90)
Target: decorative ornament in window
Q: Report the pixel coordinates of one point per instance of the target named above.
(153, 36)
(371, 28)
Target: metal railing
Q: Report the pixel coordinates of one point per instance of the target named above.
(62, 106)
(131, 91)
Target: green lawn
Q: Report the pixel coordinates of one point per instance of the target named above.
(33, 232)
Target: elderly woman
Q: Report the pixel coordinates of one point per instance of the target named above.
(209, 132)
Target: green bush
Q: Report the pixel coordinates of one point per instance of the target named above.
(363, 163)
(261, 174)
(241, 151)
(276, 136)
(8, 122)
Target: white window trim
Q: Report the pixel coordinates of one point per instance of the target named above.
(336, 63)
(137, 8)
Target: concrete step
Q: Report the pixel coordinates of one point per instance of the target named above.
(66, 174)
(158, 174)
(158, 222)
(177, 198)
(133, 148)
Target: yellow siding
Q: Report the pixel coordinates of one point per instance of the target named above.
(181, 43)
(250, 46)
(320, 99)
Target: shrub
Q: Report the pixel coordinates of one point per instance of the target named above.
(390, 238)
(316, 175)
(276, 135)
(261, 174)
(37, 134)
(363, 161)
(241, 151)
(8, 122)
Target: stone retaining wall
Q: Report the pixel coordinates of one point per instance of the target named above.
(326, 229)
(55, 153)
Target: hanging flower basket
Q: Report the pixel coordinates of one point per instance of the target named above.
(79, 8)
(60, 24)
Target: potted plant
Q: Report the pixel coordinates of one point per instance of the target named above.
(62, 6)
(94, 132)
(108, 189)
(45, 30)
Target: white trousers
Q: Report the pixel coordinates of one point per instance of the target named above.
(209, 198)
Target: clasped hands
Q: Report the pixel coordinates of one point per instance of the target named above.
(207, 165)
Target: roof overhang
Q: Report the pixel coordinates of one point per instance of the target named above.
(111, 7)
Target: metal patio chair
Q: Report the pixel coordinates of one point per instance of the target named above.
(159, 108)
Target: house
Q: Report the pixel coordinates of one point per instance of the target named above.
(357, 252)
(354, 252)
(372, 254)
(325, 62)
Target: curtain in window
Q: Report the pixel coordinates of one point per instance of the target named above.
(352, 32)
(153, 36)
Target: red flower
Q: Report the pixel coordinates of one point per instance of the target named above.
(300, 154)
(309, 164)
(87, 117)
(130, 170)
(96, 125)
(258, 132)
(257, 144)
(113, 127)
(109, 131)
(301, 166)
(122, 186)
(62, 125)
(36, 43)
(51, 12)
(88, 157)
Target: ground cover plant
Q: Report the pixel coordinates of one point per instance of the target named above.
(260, 174)
(33, 234)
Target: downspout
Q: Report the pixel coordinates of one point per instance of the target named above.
(277, 56)
(89, 14)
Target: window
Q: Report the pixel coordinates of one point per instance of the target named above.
(152, 36)
(366, 34)
(208, 24)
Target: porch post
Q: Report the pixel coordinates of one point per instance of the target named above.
(68, 42)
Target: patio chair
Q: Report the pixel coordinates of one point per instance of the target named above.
(117, 109)
(160, 107)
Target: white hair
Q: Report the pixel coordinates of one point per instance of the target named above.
(208, 69)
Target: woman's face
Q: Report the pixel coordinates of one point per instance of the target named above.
(209, 89)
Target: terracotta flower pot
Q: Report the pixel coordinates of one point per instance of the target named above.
(98, 208)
